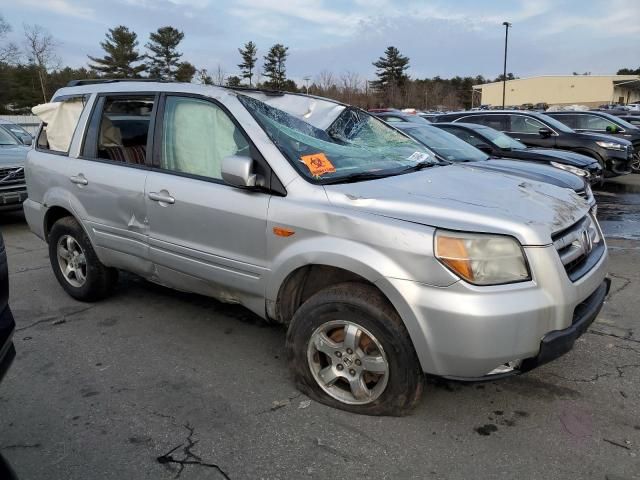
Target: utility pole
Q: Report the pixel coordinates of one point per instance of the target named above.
(504, 74)
(306, 81)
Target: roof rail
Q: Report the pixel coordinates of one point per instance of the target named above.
(266, 91)
(92, 81)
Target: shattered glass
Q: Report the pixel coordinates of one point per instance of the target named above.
(354, 143)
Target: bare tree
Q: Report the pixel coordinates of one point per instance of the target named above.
(325, 81)
(9, 52)
(219, 76)
(351, 84)
(40, 46)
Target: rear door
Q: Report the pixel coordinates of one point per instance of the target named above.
(205, 235)
(108, 179)
(527, 130)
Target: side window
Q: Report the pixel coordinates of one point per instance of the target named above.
(522, 124)
(392, 119)
(59, 122)
(571, 121)
(122, 129)
(594, 122)
(196, 136)
(468, 137)
(499, 122)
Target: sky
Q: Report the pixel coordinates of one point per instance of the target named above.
(441, 37)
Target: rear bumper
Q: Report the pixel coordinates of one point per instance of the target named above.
(7, 350)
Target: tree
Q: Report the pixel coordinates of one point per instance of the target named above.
(203, 77)
(164, 57)
(40, 46)
(185, 72)
(249, 59)
(628, 71)
(120, 56)
(391, 73)
(233, 81)
(9, 52)
(274, 66)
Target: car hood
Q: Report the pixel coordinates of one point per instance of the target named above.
(534, 171)
(464, 197)
(13, 154)
(602, 137)
(570, 158)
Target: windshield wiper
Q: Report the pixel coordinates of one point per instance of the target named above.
(356, 177)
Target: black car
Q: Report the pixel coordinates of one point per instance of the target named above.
(539, 130)
(603, 122)
(630, 118)
(7, 325)
(500, 145)
(396, 116)
(452, 149)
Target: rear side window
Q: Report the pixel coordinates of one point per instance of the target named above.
(499, 122)
(595, 122)
(119, 129)
(196, 136)
(570, 121)
(468, 137)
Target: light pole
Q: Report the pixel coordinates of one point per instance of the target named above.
(504, 74)
(306, 81)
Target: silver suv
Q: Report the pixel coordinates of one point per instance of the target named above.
(383, 261)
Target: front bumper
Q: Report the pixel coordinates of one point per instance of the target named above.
(7, 350)
(11, 199)
(620, 164)
(467, 332)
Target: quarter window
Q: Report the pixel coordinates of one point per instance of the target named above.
(59, 122)
(197, 135)
(499, 122)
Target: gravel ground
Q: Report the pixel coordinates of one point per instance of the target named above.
(157, 384)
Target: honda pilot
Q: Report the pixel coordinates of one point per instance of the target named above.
(382, 261)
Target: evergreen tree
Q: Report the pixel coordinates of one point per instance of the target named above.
(120, 56)
(274, 66)
(249, 59)
(391, 70)
(185, 72)
(233, 81)
(164, 57)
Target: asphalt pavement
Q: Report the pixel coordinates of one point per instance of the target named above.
(158, 384)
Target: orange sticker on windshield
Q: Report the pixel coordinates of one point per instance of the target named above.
(318, 164)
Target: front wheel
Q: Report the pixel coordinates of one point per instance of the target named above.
(348, 348)
(635, 162)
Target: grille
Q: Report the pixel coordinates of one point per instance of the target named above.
(11, 176)
(579, 247)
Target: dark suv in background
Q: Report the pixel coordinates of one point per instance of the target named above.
(602, 122)
(540, 130)
(500, 145)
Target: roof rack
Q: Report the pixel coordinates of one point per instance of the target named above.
(92, 81)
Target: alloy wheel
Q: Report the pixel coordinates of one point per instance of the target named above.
(72, 261)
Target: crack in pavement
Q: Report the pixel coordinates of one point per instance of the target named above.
(627, 282)
(619, 368)
(54, 318)
(21, 445)
(626, 338)
(190, 458)
(30, 269)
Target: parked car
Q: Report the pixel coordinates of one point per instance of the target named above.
(602, 122)
(399, 117)
(13, 153)
(382, 261)
(540, 130)
(632, 119)
(17, 132)
(634, 107)
(452, 149)
(501, 145)
(7, 324)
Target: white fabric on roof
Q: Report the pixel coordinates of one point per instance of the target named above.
(61, 119)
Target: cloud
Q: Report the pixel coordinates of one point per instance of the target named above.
(61, 7)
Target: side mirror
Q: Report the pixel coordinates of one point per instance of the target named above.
(544, 132)
(238, 171)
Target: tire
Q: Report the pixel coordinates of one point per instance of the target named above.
(88, 279)
(635, 163)
(335, 311)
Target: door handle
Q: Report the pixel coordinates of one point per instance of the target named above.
(162, 198)
(79, 179)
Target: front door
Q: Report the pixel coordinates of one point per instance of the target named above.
(204, 235)
(527, 130)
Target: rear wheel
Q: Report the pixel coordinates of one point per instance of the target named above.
(348, 348)
(75, 263)
(635, 162)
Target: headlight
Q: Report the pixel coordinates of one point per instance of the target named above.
(570, 168)
(612, 146)
(482, 259)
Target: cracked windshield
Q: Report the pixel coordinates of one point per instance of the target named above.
(356, 145)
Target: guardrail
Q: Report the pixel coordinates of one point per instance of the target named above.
(29, 122)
